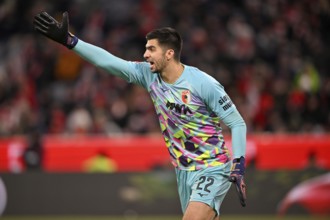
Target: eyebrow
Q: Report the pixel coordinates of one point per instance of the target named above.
(150, 47)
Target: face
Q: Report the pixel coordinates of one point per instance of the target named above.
(156, 56)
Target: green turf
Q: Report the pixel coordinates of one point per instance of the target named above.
(224, 217)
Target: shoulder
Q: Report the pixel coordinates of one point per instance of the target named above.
(200, 79)
(140, 66)
(142, 74)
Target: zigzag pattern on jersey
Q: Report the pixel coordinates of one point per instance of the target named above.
(193, 141)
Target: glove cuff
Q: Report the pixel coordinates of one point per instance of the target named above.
(239, 160)
(71, 41)
(238, 166)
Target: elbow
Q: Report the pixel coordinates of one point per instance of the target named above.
(239, 122)
(240, 125)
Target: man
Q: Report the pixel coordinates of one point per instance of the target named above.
(189, 105)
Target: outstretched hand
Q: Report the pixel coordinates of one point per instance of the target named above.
(57, 31)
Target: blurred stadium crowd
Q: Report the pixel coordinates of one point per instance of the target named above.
(272, 56)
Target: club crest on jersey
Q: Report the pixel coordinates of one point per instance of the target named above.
(185, 96)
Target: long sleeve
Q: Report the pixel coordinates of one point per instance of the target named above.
(133, 72)
(238, 133)
(104, 60)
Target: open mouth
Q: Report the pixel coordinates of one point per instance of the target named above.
(152, 64)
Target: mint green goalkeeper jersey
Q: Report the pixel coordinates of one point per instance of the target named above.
(189, 110)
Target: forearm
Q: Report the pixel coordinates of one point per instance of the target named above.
(103, 59)
(238, 133)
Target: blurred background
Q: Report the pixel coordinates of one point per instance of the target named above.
(61, 118)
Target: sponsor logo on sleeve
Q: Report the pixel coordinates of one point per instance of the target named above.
(225, 102)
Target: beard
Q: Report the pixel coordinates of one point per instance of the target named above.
(158, 66)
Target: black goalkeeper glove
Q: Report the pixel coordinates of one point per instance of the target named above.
(237, 176)
(51, 28)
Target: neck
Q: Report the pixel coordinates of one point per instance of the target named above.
(172, 72)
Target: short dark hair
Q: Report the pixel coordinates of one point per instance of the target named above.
(167, 37)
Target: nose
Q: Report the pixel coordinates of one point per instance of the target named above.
(146, 55)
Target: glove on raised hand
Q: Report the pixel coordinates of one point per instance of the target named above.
(237, 177)
(51, 28)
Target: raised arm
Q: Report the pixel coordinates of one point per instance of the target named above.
(59, 32)
(104, 60)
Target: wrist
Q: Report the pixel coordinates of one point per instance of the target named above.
(71, 41)
(239, 160)
(238, 167)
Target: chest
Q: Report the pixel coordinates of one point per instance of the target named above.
(179, 100)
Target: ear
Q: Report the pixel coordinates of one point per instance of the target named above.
(169, 54)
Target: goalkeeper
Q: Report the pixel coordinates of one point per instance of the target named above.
(189, 104)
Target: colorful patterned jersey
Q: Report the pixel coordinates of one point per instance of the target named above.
(189, 112)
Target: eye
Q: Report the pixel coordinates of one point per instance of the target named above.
(151, 48)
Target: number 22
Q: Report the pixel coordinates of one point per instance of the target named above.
(202, 180)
